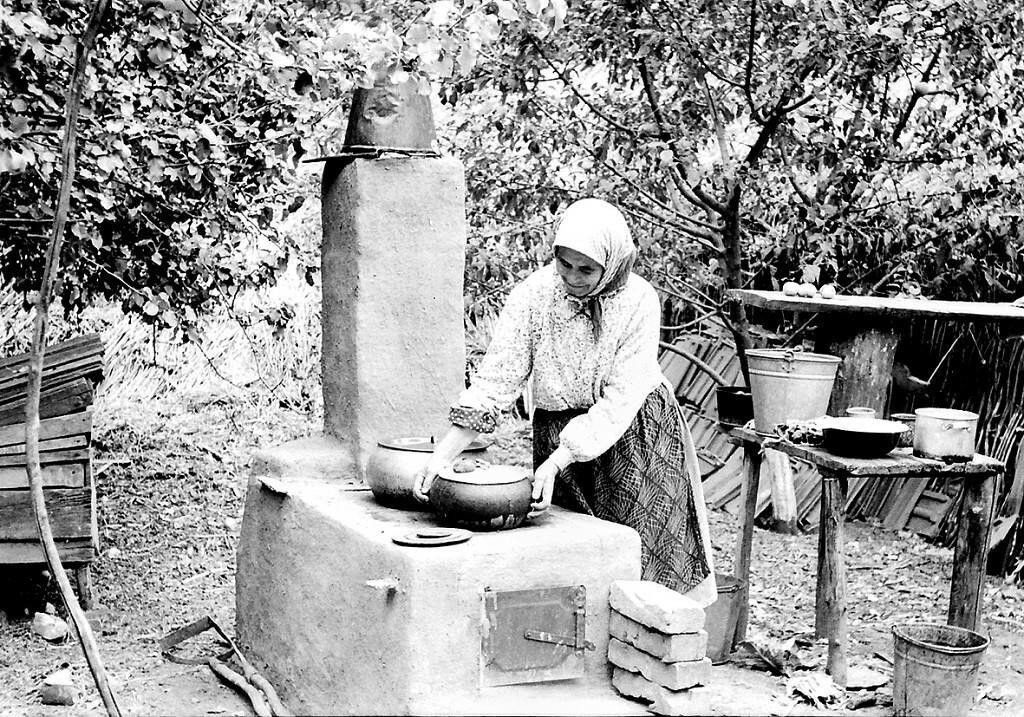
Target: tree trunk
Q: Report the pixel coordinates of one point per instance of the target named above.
(731, 239)
(865, 371)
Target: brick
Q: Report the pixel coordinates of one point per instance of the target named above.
(682, 647)
(695, 701)
(673, 675)
(656, 606)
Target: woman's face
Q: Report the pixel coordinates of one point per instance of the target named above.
(580, 273)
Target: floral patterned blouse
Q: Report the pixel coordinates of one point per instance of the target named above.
(545, 333)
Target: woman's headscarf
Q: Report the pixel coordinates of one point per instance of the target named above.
(598, 230)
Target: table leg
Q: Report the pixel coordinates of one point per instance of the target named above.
(830, 612)
(971, 551)
(745, 536)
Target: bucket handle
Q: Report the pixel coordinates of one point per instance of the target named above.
(788, 358)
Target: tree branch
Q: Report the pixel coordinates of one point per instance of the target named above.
(749, 69)
(704, 238)
(703, 366)
(700, 237)
(791, 176)
(214, 28)
(583, 98)
(901, 123)
(707, 200)
(723, 144)
(35, 366)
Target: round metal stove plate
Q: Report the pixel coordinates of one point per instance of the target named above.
(427, 537)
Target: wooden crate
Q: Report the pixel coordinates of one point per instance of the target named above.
(68, 490)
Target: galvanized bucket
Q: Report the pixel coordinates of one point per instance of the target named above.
(935, 671)
(720, 618)
(789, 385)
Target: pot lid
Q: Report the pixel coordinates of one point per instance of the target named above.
(477, 472)
(946, 414)
(860, 424)
(424, 444)
(426, 537)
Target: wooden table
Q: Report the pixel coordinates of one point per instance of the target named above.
(969, 555)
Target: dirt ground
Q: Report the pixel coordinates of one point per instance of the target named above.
(171, 482)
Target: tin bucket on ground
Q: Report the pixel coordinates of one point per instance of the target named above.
(789, 385)
(720, 618)
(935, 671)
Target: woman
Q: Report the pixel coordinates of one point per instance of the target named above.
(608, 435)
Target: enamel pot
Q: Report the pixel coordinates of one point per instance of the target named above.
(945, 434)
(392, 468)
(480, 496)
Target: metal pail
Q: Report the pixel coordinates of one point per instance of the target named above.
(789, 385)
(720, 618)
(935, 671)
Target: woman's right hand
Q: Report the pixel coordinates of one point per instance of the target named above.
(423, 479)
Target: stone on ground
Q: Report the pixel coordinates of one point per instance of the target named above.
(673, 675)
(58, 689)
(681, 647)
(656, 606)
(49, 627)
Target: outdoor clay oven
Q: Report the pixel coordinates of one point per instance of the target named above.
(351, 605)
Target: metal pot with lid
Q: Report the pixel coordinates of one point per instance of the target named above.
(391, 469)
(478, 495)
(945, 434)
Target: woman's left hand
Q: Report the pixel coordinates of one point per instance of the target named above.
(543, 486)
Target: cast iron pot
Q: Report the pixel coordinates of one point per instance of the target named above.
(857, 437)
(392, 467)
(735, 405)
(484, 497)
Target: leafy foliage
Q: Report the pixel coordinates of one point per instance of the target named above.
(873, 144)
(193, 122)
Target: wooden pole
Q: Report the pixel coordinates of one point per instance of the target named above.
(830, 613)
(971, 552)
(35, 372)
(745, 536)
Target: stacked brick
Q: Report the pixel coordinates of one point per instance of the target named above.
(658, 647)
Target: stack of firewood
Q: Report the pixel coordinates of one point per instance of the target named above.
(71, 370)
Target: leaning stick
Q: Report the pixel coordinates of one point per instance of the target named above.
(35, 372)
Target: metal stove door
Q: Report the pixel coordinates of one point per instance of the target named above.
(534, 635)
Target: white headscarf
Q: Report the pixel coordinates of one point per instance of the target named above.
(598, 230)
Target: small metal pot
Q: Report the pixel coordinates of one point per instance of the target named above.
(391, 468)
(945, 434)
(485, 497)
(907, 419)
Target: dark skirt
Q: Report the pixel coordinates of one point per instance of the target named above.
(641, 481)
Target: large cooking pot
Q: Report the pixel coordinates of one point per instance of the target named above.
(861, 437)
(481, 496)
(945, 434)
(391, 469)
